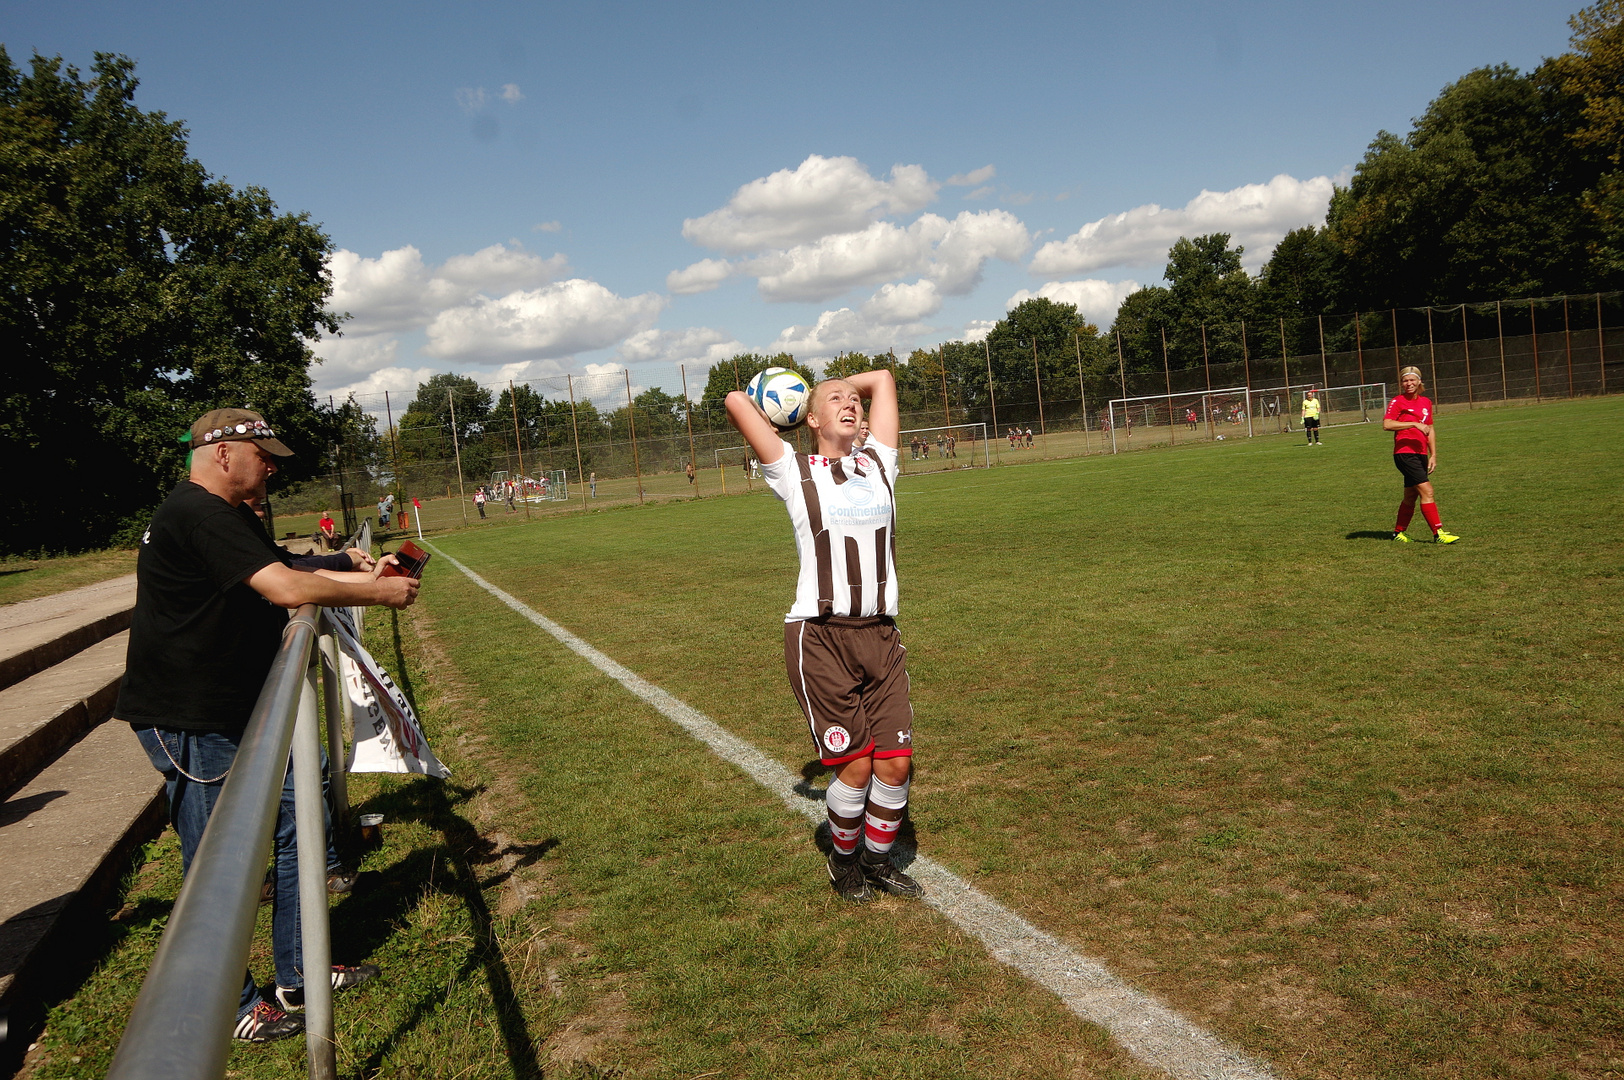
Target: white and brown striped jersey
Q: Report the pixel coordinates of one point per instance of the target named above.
(844, 514)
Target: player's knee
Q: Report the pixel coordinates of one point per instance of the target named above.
(894, 771)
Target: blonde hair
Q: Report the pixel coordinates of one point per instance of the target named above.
(1412, 371)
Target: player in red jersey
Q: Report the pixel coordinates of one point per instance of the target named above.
(1415, 453)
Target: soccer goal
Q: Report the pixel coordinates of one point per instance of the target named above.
(1234, 411)
(1343, 405)
(955, 446)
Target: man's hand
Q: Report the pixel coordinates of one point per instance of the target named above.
(397, 592)
(359, 559)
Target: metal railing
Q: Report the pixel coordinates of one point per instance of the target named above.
(180, 1028)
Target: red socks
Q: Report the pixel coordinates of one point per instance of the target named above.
(1405, 511)
(1430, 512)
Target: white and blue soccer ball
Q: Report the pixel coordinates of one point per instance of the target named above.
(782, 395)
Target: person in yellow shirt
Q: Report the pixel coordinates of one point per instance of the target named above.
(1311, 417)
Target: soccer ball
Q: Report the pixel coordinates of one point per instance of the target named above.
(782, 395)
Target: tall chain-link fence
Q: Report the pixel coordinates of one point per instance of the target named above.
(505, 453)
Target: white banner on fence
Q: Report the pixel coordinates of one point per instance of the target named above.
(387, 736)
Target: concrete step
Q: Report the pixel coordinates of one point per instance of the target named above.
(46, 713)
(66, 838)
(35, 634)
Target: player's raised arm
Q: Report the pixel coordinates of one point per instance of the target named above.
(880, 388)
(752, 423)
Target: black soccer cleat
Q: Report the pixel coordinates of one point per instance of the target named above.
(344, 978)
(880, 872)
(266, 1023)
(847, 878)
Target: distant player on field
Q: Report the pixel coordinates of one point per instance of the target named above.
(1311, 417)
(1415, 452)
(841, 647)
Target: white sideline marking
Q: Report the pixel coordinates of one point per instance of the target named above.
(1147, 1029)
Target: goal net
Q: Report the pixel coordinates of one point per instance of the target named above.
(1234, 411)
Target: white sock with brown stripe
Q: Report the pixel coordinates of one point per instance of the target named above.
(884, 814)
(845, 804)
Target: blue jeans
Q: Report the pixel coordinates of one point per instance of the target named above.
(208, 756)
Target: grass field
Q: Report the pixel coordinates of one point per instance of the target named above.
(1353, 805)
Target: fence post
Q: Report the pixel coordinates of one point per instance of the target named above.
(1500, 330)
(1122, 373)
(518, 443)
(312, 848)
(992, 395)
(1081, 389)
(947, 414)
(1601, 345)
(1567, 340)
(1533, 336)
(1432, 352)
(462, 494)
(689, 408)
(1206, 403)
(1246, 359)
(575, 429)
(631, 421)
(1466, 346)
(1359, 347)
(1038, 376)
(1167, 375)
(394, 447)
(1285, 368)
(1398, 360)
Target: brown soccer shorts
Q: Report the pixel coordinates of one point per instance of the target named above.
(850, 677)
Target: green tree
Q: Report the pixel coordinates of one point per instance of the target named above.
(1593, 75)
(1483, 199)
(138, 292)
(426, 425)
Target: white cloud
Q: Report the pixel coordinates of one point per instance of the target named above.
(702, 276)
(699, 346)
(350, 355)
(546, 226)
(400, 382)
(553, 321)
(974, 177)
(951, 253)
(970, 241)
(1255, 215)
(499, 269)
(980, 192)
(842, 330)
(978, 329)
(471, 99)
(819, 197)
(1097, 300)
(398, 291)
(897, 304)
(510, 93)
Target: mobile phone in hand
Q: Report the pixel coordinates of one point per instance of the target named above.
(412, 561)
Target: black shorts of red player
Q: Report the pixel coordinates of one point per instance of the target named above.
(1414, 468)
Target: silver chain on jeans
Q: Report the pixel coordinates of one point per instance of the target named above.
(194, 779)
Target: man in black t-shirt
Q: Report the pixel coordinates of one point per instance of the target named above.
(212, 599)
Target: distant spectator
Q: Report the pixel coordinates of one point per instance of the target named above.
(479, 500)
(326, 537)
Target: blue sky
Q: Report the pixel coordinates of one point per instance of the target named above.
(519, 191)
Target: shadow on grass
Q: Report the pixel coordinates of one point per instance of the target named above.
(363, 922)
(403, 675)
(17, 570)
(1368, 534)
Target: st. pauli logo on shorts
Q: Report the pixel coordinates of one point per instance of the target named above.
(837, 739)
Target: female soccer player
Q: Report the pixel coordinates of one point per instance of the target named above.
(1415, 452)
(844, 657)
